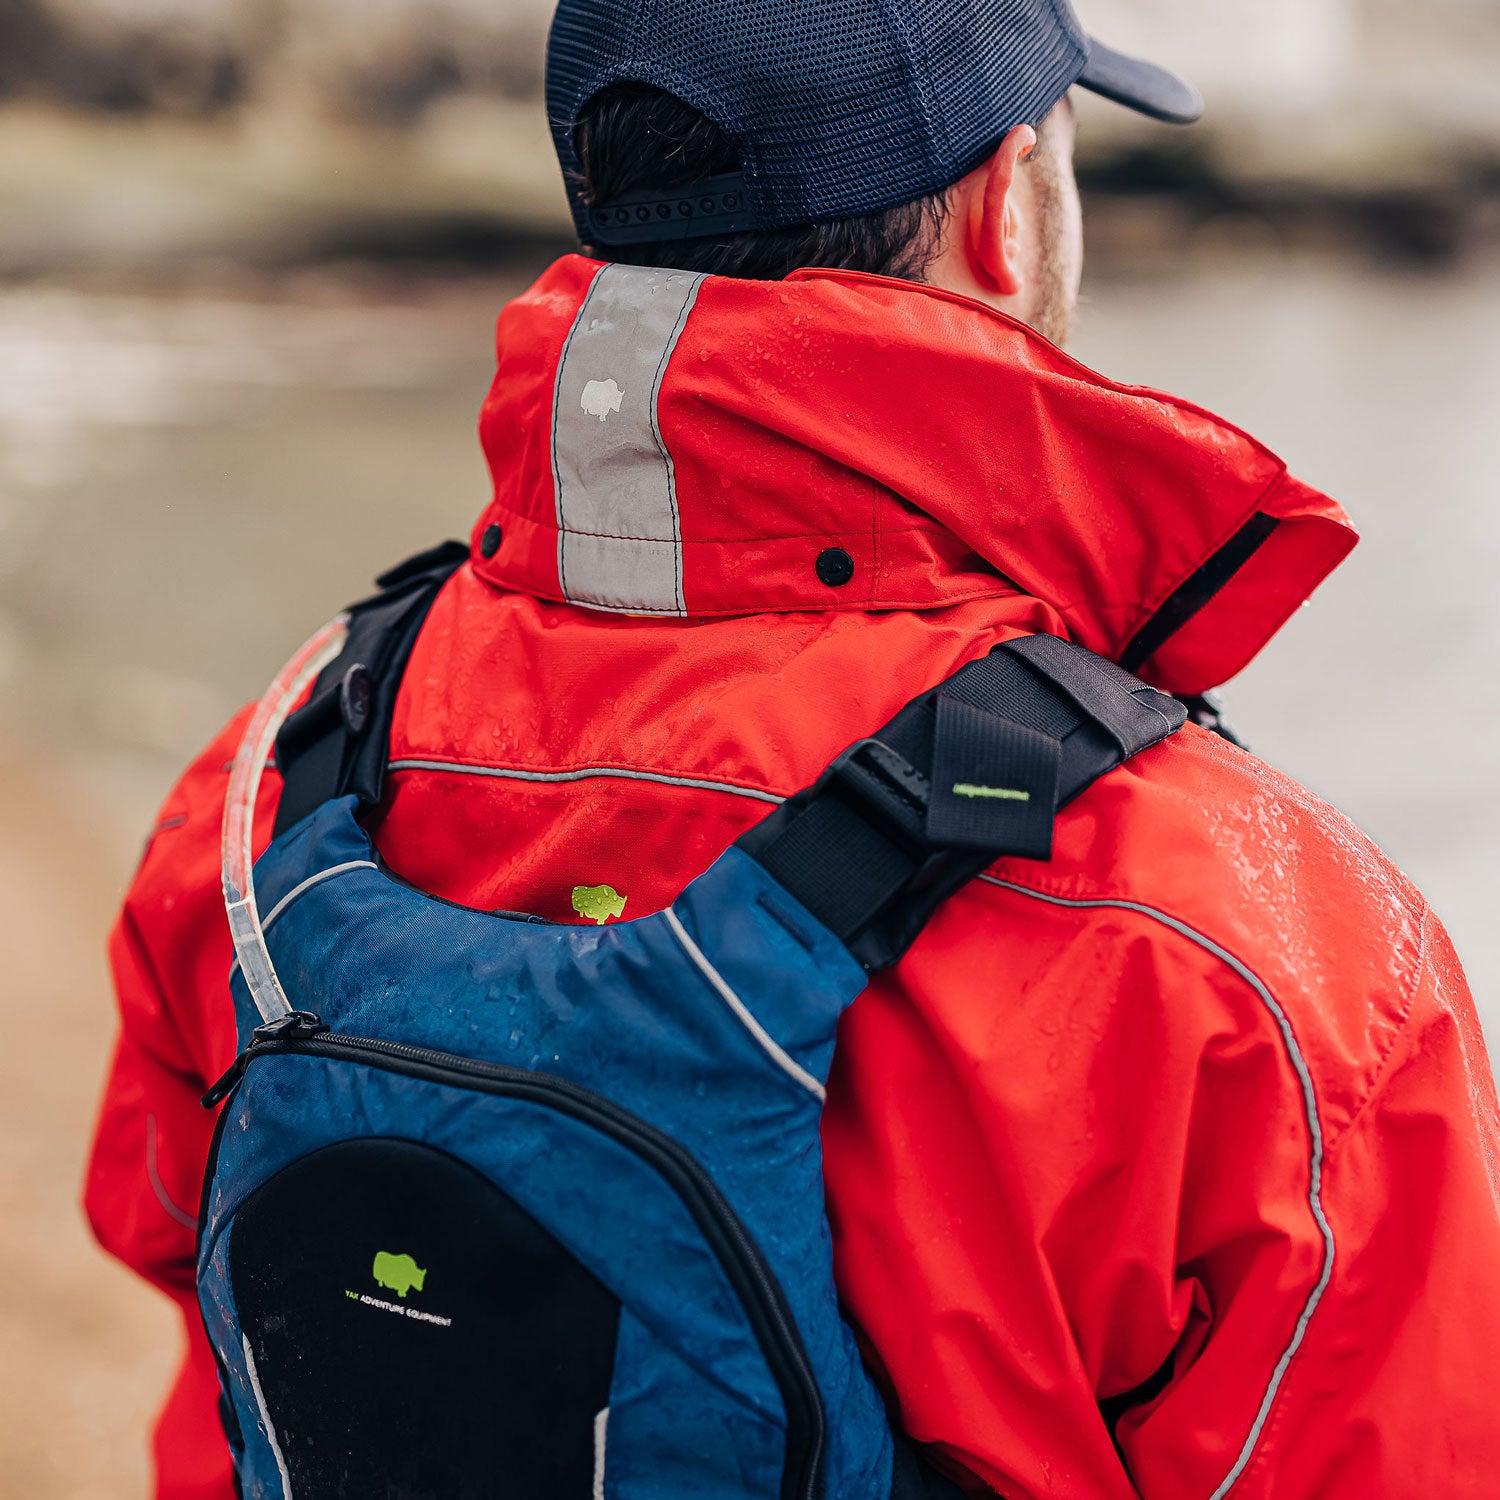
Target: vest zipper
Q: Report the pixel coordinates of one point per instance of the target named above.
(753, 1280)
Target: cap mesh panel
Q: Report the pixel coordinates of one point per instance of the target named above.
(838, 107)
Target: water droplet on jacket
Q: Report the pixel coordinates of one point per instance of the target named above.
(701, 1089)
(513, 1040)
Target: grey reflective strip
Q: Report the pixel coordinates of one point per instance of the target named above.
(265, 1419)
(589, 773)
(768, 1043)
(619, 543)
(601, 1439)
(158, 1187)
(311, 881)
(1314, 1130)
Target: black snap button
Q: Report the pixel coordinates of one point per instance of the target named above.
(707, 205)
(663, 210)
(731, 200)
(489, 542)
(356, 698)
(685, 209)
(835, 567)
(643, 214)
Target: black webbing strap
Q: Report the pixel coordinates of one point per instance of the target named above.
(969, 772)
(339, 740)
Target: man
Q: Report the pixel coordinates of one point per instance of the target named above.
(1170, 1166)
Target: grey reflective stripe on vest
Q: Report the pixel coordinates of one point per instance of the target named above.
(297, 891)
(747, 1018)
(1314, 1130)
(619, 541)
(267, 1426)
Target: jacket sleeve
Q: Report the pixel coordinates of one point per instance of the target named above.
(1387, 1387)
(1397, 1392)
(170, 954)
(1153, 1228)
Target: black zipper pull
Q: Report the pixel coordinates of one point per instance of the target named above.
(292, 1027)
(296, 1025)
(220, 1091)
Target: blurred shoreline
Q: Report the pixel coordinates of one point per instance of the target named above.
(157, 135)
(475, 183)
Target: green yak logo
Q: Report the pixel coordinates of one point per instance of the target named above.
(398, 1273)
(598, 902)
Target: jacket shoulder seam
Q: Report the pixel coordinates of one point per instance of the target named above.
(1403, 1018)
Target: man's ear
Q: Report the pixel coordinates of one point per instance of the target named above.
(995, 224)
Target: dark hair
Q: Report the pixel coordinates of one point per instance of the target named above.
(633, 138)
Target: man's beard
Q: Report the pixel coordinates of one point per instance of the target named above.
(1055, 299)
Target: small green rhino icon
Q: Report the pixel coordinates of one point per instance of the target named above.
(398, 1273)
(598, 902)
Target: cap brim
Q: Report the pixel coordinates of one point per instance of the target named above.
(1140, 86)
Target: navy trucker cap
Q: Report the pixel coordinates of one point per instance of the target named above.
(836, 107)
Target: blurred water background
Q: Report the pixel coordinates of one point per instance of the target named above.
(250, 256)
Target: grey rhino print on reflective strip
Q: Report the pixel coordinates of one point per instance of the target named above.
(619, 543)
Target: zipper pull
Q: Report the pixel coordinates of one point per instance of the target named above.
(294, 1026)
(220, 1091)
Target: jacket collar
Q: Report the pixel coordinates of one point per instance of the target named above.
(668, 444)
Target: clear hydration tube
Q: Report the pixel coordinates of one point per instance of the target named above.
(270, 714)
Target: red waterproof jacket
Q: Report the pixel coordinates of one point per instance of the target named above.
(1170, 1166)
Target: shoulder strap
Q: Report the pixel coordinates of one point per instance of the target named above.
(339, 740)
(969, 772)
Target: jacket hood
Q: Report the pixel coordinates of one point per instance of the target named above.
(663, 443)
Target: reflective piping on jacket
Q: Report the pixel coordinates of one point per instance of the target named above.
(153, 1175)
(311, 881)
(589, 773)
(265, 1418)
(619, 544)
(768, 1043)
(1314, 1129)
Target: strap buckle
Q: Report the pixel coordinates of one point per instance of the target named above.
(964, 803)
(878, 780)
